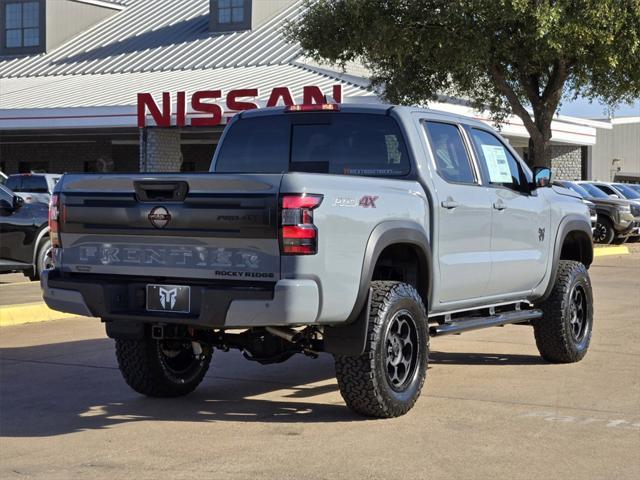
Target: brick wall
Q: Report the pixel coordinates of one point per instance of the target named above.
(566, 162)
(162, 152)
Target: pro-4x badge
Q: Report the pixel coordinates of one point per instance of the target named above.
(541, 234)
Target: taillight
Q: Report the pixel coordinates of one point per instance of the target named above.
(54, 218)
(298, 233)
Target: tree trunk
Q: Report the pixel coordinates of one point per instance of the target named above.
(539, 152)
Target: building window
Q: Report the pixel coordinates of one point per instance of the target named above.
(230, 15)
(230, 11)
(22, 24)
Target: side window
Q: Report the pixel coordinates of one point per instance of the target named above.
(498, 164)
(452, 160)
(607, 190)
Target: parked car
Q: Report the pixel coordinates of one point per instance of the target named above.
(593, 211)
(357, 230)
(618, 220)
(634, 186)
(618, 190)
(626, 191)
(24, 235)
(33, 187)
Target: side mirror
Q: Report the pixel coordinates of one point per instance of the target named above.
(541, 177)
(17, 202)
(613, 195)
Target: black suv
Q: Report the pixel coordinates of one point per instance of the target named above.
(24, 235)
(618, 220)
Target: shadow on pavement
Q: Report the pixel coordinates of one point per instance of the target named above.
(60, 388)
(464, 358)
(68, 387)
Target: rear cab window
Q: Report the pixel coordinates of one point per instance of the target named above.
(14, 183)
(35, 184)
(28, 184)
(336, 143)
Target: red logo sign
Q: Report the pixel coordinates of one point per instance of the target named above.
(368, 201)
(207, 114)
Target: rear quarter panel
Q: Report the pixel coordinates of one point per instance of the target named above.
(345, 222)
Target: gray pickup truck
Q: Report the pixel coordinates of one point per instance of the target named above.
(355, 230)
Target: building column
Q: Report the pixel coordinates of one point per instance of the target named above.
(160, 150)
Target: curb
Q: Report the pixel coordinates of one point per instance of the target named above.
(11, 315)
(605, 251)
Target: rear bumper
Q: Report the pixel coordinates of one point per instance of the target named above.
(288, 302)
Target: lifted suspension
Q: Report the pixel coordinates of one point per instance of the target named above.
(264, 345)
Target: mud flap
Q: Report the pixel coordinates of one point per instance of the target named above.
(349, 340)
(125, 330)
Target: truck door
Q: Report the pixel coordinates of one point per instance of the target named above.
(520, 231)
(463, 217)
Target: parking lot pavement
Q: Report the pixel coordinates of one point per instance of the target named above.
(491, 408)
(15, 288)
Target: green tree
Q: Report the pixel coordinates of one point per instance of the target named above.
(517, 57)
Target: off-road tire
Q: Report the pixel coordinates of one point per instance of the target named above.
(364, 380)
(41, 262)
(554, 332)
(144, 367)
(608, 233)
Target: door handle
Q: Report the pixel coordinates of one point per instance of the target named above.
(499, 205)
(449, 203)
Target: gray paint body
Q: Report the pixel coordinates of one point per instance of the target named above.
(477, 255)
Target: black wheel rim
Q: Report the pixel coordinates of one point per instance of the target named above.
(578, 313)
(401, 350)
(47, 259)
(177, 357)
(600, 233)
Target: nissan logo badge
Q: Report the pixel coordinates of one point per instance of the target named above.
(159, 217)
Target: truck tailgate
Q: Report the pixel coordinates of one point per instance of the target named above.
(200, 226)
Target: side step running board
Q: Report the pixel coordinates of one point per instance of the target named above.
(460, 325)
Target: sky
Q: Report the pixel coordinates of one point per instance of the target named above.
(582, 108)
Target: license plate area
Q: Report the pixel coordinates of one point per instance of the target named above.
(168, 298)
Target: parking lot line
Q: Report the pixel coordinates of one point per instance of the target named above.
(604, 251)
(29, 313)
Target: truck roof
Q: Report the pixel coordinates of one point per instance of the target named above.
(371, 108)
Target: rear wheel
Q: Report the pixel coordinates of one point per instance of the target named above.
(44, 259)
(563, 333)
(162, 368)
(603, 232)
(386, 380)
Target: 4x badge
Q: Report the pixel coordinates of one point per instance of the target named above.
(367, 201)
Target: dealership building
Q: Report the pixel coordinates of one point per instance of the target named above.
(127, 85)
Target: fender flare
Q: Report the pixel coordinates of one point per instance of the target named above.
(349, 338)
(568, 225)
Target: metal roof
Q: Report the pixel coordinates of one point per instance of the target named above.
(160, 35)
(121, 88)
